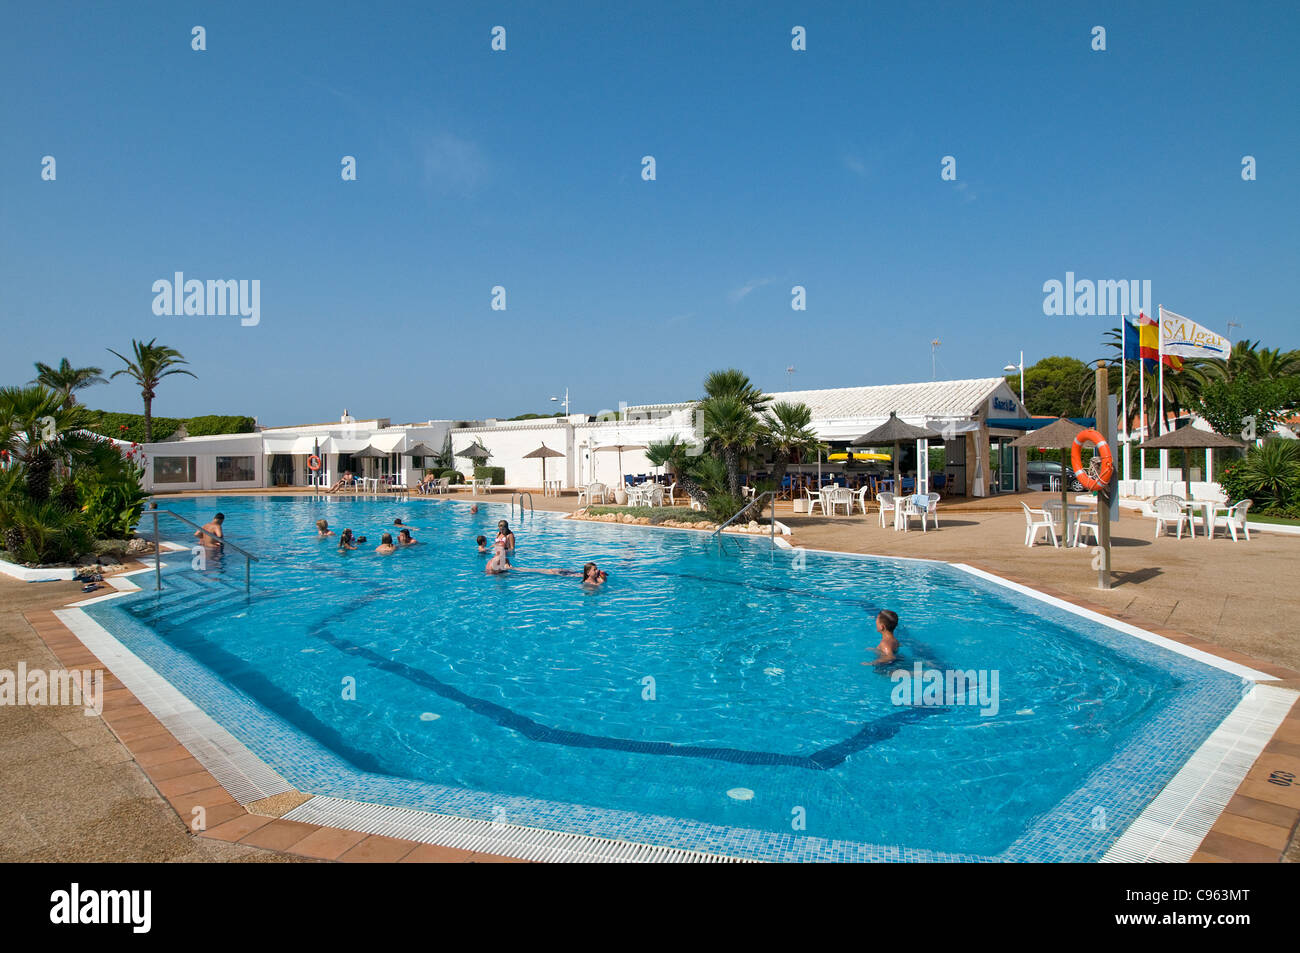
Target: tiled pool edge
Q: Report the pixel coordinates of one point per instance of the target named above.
(1287, 737)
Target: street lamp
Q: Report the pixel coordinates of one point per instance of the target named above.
(1018, 367)
(566, 401)
(934, 345)
(1231, 325)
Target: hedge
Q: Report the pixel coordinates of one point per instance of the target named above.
(498, 474)
(110, 424)
(453, 475)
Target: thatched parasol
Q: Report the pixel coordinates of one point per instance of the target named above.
(895, 431)
(1191, 438)
(1060, 434)
(542, 453)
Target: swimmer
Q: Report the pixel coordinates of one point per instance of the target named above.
(482, 544)
(498, 564)
(386, 545)
(399, 524)
(504, 534)
(887, 650)
(212, 528)
(323, 529)
(473, 509)
(404, 538)
(347, 541)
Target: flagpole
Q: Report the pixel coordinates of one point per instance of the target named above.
(1160, 345)
(1144, 425)
(1123, 388)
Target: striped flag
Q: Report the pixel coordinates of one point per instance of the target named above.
(1144, 344)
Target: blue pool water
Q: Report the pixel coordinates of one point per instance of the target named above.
(699, 700)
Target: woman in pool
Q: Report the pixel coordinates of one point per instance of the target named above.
(323, 529)
(498, 564)
(347, 541)
(503, 533)
(404, 538)
(591, 576)
(386, 545)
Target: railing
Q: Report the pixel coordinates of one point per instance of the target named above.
(521, 494)
(249, 558)
(745, 509)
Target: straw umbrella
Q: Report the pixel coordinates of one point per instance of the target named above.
(1191, 438)
(1059, 434)
(542, 453)
(895, 431)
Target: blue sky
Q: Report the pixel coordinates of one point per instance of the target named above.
(522, 169)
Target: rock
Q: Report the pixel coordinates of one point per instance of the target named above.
(138, 545)
(87, 561)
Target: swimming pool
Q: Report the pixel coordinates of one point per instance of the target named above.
(710, 701)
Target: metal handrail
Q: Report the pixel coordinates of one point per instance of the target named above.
(249, 558)
(521, 494)
(762, 496)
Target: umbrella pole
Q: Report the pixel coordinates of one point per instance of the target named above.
(1065, 502)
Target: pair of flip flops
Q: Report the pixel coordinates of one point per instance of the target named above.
(90, 587)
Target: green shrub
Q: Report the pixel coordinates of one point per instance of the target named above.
(455, 476)
(209, 424)
(1269, 475)
(112, 502)
(43, 533)
(498, 474)
(131, 426)
(723, 506)
(656, 514)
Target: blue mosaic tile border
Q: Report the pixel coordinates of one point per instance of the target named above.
(1122, 787)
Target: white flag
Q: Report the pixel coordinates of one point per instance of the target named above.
(1182, 337)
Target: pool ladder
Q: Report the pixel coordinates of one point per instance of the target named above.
(521, 494)
(249, 558)
(744, 509)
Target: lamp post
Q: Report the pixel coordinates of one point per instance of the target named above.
(1231, 325)
(1020, 367)
(934, 346)
(566, 401)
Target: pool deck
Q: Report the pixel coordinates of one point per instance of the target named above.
(121, 787)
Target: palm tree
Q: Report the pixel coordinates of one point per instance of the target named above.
(40, 433)
(788, 434)
(1182, 388)
(674, 455)
(735, 383)
(152, 363)
(67, 379)
(732, 427)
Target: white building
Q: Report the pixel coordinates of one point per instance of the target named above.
(978, 419)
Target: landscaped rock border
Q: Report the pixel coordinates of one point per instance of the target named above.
(752, 528)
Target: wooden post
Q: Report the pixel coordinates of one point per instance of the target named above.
(1106, 427)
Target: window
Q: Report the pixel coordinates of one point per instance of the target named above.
(175, 470)
(236, 470)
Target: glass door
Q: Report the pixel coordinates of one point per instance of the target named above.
(1007, 468)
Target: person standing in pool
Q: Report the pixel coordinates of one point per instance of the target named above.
(347, 541)
(211, 529)
(404, 538)
(504, 534)
(385, 545)
(323, 529)
(482, 545)
(887, 650)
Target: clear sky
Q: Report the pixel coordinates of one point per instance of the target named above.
(522, 169)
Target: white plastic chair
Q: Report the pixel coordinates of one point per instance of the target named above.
(668, 492)
(653, 496)
(887, 504)
(862, 498)
(932, 509)
(1036, 520)
(1169, 509)
(842, 496)
(1086, 522)
(589, 493)
(1234, 519)
(814, 499)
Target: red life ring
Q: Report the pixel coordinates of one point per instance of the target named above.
(1102, 449)
(313, 462)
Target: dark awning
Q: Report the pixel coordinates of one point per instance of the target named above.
(1035, 423)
